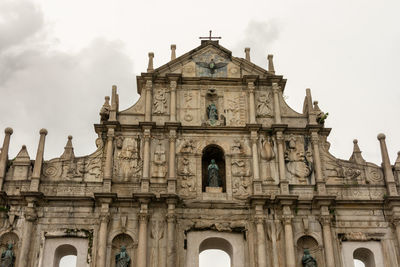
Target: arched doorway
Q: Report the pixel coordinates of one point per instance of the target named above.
(215, 247)
(213, 152)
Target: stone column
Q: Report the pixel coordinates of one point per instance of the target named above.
(142, 246)
(319, 179)
(275, 260)
(328, 246)
(37, 168)
(256, 166)
(252, 108)
(171, 162)
(4, 155)
(284, 185)
(261, 250)
(30, 218)
(387, 168)
(172, 112)
(289, 246)
(148, 88)
(396, 224)
(102, 243)
(277, 108)
(108, 165)
(171, 235)
(145, 183)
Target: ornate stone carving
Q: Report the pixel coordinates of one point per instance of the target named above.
(188, 146)
(159, 167)
(105, 109)
(264, 105)
(241, 187)
(187, 181)
(160, 101)
(128, 165)
(298, 161)
(267, 151)
(240, 168)
(237, 146)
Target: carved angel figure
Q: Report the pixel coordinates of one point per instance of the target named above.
(212, 66)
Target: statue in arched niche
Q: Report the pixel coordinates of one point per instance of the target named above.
(8, 257)
(122, 259)
(212, 113)
(213, 174)
(308, 260)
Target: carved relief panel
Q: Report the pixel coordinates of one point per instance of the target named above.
(298, 159)
(127, 159)
(189, 107)
(235, 108)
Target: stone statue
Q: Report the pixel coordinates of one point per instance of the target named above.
(308, 260)
(8, 257)
(213, 175)
(212, 112)
(122, 259)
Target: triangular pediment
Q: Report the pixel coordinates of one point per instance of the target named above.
(210, 60)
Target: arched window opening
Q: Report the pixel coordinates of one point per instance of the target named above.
(215, 251)
(62, 253)
(214, 257)
(364, 257)
(68, 261)
(213, 152)
(358, 263)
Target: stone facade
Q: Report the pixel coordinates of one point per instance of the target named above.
(146, 187)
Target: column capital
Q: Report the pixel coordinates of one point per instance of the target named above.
(104, 218)
(276, 88)
(30, 214)
(287, 219)
(171, 218)
(259, 219)
(325, 220)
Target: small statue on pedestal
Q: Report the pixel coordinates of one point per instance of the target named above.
(8, 257)
(213, 175)
(308, 260)
(122, 259)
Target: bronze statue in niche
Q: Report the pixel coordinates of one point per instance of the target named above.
(213, 168)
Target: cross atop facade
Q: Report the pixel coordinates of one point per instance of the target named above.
(210, 37)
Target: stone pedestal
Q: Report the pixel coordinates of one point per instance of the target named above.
(213, 189)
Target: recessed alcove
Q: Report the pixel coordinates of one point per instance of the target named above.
(215, 152)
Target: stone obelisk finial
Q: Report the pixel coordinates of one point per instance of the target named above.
(247, 53)
(4, 155)
(173, 51)
(271, 68)
(387, 168)
(114, 104)
(37, 168)
(356, 156)
(150, 67)
(68, 150)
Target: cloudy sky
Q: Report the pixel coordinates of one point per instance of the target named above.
(58, 59)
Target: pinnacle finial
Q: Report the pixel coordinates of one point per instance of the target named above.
(247, 53)
(68, 149)
(356, 156)
(173, 51)
(271, 67)
(150, 66)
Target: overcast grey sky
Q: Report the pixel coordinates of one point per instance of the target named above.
(58, 59)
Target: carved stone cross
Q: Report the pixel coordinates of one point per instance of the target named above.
(210, 37)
